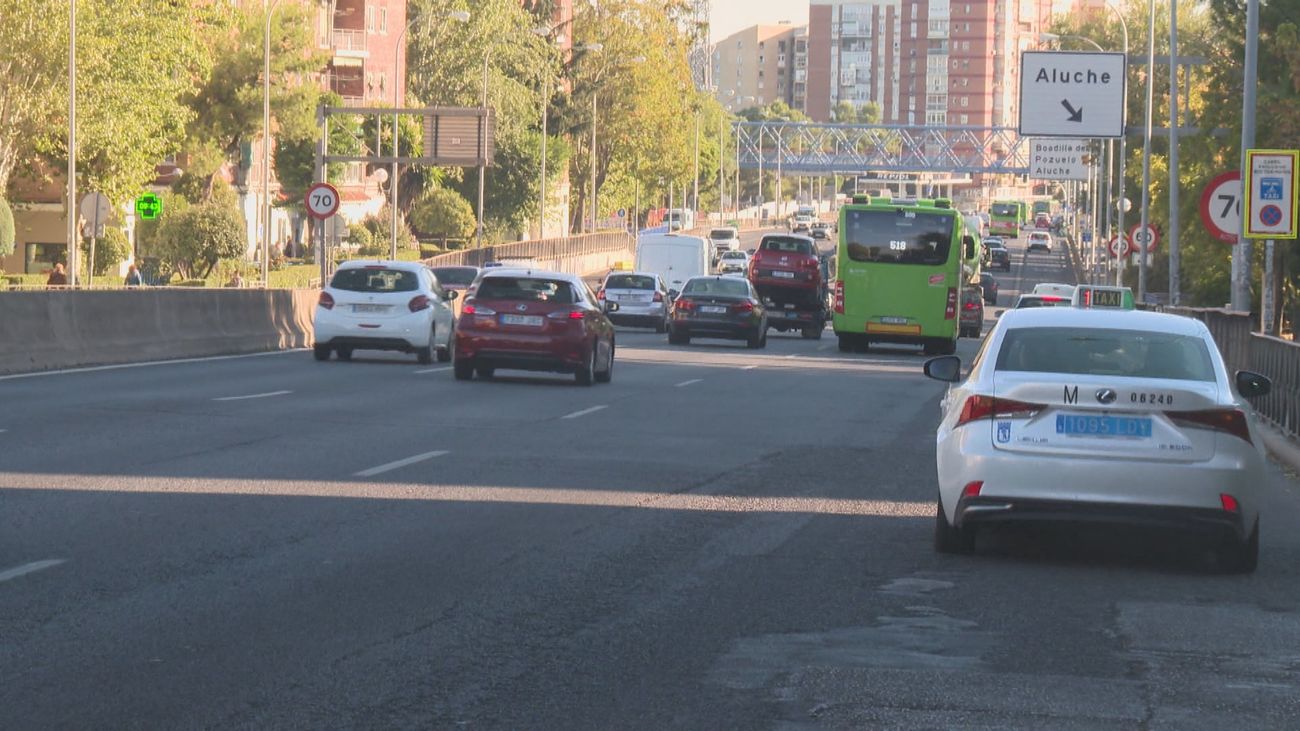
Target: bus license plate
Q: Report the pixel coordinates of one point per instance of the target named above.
(894, 320)
(1103, 426)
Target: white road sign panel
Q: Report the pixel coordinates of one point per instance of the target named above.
(1270, 189)
(1221, 207)
(1058, 159)
(1072, 94)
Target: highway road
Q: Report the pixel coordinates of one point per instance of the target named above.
(721, 538)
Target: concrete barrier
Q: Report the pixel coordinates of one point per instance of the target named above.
(50, 330)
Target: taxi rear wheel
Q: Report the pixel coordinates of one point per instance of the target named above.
(950, 539)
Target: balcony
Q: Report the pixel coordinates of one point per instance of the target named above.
(350, 43)
(351, 86)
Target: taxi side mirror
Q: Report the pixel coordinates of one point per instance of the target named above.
(450, 295)
(611, 307)
(946, 368)
(1252, 385)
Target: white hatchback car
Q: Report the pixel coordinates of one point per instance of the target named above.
(733, 261)
(1100, 415)
(384, 305)
(1056, 289)
(1040, 240)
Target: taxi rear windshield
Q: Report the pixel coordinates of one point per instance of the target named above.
(1105, 352)
(375, 280)
(899, 236)
(629, 281)
(527, 289)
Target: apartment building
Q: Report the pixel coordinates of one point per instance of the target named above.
(854, 55)
(758, 66)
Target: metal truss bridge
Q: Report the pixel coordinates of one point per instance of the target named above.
(813, 148)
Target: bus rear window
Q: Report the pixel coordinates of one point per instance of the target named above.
(1005, 209)
(898, 236)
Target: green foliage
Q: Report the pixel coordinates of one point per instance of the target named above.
(131, 88)
(294, 156)
(148, 233)
(360, 235)
(193, 240)
(847, 112)
(380, 228)
(6, 229)
(111, 249)
(443, 213)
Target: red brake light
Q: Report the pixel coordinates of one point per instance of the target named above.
(577, 314)
(1054, 298)
(684, 304)
(988, 407)
(1229, 503)
(970, 305)
(745, 307)
(950, 311)
(419, 302)
(839, 296)
(326, 300)
(470, 309)
(972, 489)
(1228, 421)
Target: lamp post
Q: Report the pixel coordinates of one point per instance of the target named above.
(1241, 252)
(72, 146)
(1146, 149)
(544, 32)
(460, 16)
(597, 47)
(268, 10)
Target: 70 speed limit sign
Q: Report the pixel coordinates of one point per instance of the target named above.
(322, 201)
(1221, 207)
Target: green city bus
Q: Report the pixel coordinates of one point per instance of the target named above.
(1006, 218)
(902, 269)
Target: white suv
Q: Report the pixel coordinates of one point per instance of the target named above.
(384, 305)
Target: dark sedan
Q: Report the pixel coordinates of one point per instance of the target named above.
(990, 287)
(718, 307)
(999, 258)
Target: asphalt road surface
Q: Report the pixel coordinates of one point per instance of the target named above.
(720, 538)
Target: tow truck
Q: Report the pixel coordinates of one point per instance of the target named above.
(791, 277)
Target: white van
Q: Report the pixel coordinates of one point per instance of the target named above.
(674, 257)
(680, 219)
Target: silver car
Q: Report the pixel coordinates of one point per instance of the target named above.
(1100, 415)
(642, 299)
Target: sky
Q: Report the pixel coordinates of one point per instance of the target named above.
(730, 16)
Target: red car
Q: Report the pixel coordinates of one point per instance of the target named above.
(1043, 221)
(534, 321)
(786, 270)
(972, 313)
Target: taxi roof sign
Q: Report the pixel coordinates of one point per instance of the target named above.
(1094, 297)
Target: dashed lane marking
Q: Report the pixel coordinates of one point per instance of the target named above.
(584, 412)
(268, 394)
(389, 467)
(687, 383)
(30, 568)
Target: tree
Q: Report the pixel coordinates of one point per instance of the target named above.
(381, 227)
(443, 213)
(111, 249)
(33, 57)
(192, 241)
(294, 155)
(6, 229)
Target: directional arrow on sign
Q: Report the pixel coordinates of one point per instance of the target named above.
(1076, 115)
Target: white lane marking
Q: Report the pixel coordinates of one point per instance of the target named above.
(145, 364)
(749, 368)
(2, 431)
(687, 383)
(827, 346)
(791, 356)
(30, 568)
(400, 463)
(253, 395)
(584, 412)
(433, 370)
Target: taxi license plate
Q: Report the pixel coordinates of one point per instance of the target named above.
(529, 320)
(369, 308)
(783, 275)
(1103, 426)
(713, 310)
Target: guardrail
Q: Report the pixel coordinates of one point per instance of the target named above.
(543, 250)
(1243, 349)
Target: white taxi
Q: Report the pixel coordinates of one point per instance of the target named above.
(1100, 415)
(384, 305)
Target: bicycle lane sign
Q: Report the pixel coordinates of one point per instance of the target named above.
(1270, 191)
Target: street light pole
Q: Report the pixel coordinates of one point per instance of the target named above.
(1175, 262)
(541, 186)
(1241, 252)
(1146, 150)
(482, 163)
(268, 9)
(1123, 150)
(72, 146)
(592, 217)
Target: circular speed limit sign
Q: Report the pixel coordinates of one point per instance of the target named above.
(1119, 246)
(1221, 207)
(1144, 239)
(322, 201)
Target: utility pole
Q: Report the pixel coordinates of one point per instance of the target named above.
(1146, 151)
(1241, 252)
(72, 145)
(1175, 259)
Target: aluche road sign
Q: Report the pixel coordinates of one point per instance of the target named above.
(1072, 94)
(1271, 195)
(1058, 159)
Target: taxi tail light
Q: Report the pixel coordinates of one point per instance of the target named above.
(950, 311)
(326, 300)
(1228, 421)
(839, 296)
(1229, 503)
(972, 489)
(419, 302)
(990, 407)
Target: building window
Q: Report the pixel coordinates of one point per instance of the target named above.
(370, 18)
(965, 101)
(965, 119)
(383, 20)
(41, 258)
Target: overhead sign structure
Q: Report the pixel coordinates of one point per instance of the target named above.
(1271, 197)
(1072, 94)
(1221, 207)
(1059, 159)
(322, 201)
(1143, 239)
(149, 206)
(459, 136)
